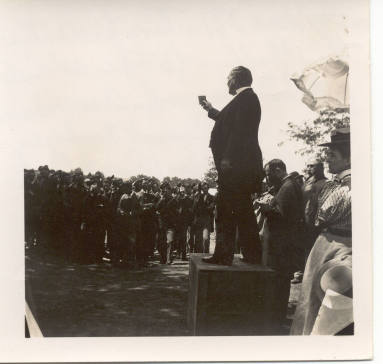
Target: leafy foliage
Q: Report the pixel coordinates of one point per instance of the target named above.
(174, 181)
(211, 175)
(312, 133)
(143, 176)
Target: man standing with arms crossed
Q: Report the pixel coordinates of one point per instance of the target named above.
(238, 159)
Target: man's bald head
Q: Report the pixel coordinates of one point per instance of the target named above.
(239, 77)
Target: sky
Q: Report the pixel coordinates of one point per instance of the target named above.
(113, 85)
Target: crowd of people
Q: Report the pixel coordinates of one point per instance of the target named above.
(92, 218)
(298, 225)
(89, 219)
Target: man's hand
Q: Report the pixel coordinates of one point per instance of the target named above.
(206, 105)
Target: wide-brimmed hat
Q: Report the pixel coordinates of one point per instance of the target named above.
(338, 137)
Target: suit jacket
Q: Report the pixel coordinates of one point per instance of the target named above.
(235, 137)
(284, 227)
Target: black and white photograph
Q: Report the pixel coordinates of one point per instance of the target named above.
(185, 173)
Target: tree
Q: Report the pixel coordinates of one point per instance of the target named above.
(174, 181)
(133, 179)
(312, 133)
(211, 175)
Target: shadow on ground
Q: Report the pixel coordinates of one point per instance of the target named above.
(101, 300)
(74, 300)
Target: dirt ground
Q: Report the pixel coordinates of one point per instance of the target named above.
(101, 300)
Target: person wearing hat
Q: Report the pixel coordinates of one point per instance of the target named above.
(137, 188)
(167, 221)
(128, 226)
(75, 197)
(87, 184)
(43, 198)
(93, 226)
(283, 231)
(113, 199)
(311, 189)
(148, 222)
(327, 276)
(203, 212)
(184, 211)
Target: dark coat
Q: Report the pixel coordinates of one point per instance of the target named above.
(235, 137)
(185, 205)
(203, 210)
(167, 208)
(285, 227)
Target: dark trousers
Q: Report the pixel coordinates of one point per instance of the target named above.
(92, 249)
(234, 210)
(166, 244)
(192, 238)
(148, 235)
(202, 235)
(182, 229)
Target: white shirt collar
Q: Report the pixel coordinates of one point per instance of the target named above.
(241, 89)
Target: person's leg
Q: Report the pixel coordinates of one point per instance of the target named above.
(225, 228)
(142, 248)
(182, 241)
(192, 239)
(170, 234)
(188, 239)
(206, 239)
(140, 243)
(152, 237)
(247, 228)
(198, 247)
(228, 203)
(162, 246)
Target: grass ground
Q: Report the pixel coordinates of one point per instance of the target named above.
(101, 300)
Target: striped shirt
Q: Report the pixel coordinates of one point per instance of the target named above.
(334, 203)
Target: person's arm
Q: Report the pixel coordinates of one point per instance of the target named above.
(137, 204)
(279, 207)
(213, 113)
(160, 204)
(120, 209)
(147, 205)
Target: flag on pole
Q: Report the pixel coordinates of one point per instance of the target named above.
(324, 85)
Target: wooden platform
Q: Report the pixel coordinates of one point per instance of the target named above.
(230, 300)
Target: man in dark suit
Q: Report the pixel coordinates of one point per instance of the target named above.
(238, 159)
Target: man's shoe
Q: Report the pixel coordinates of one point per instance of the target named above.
(296, 281)
(219, 261)
(210, 260)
